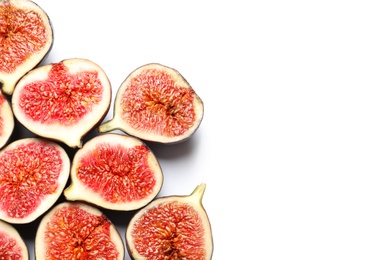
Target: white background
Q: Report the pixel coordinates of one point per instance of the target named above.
(283, 143)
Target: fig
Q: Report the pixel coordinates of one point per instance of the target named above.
(33, 174)
(76, 230)
(12, 245)
(171, 227)
(63, 101)
(114, 171)
(155, 103)
(26, 38)
(6, 121)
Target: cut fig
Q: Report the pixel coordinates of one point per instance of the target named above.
(6, 121)
(155, 103)
(116, 172)
(75, 230)
(171, 227)
(12, 245)
(34, 173)
(26, 37)
(63, 101)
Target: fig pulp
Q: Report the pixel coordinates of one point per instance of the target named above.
(74, 230)
(172, 227)
(6, 120)
(26, 37)
(155, 103)
(116, 172)
(12, 245)
(63, 101)
(33, 174)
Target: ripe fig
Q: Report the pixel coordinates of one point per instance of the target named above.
(26, 37)
(33, 175)
(12, 245)
(116, 172)
(63, 101)
(171, 227)
(6, 120)
(75, 230)
(155, 103)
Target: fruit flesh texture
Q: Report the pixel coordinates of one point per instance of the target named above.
(2, 102)
(153, 101)
(63, 98)
(30, 172)
(9, 248)
(22, 32)
(74, 233)
(118, 175)
(170, 231)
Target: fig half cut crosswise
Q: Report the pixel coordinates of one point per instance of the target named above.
(33, 174)
(155, 103)
(63, 101)
(12, 245)
(171, 227)
(6, 120)
(116, 172)
(26, 37)
(75, 230)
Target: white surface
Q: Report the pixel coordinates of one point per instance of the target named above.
(283, 143)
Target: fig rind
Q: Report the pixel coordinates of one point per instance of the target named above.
(114, 171)
(63, 101)
(171, 226)
(6, 121)
(156, 103)
(12, 244)
(34, 174)
(8, 79)
(76, 230)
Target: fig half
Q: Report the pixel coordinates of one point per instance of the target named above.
(63, 101)
(12, 245)
(155, 103)
(26, 37)
(6, 120)
(171, 227)
(33, 174)
(114, 171)
(75, 230)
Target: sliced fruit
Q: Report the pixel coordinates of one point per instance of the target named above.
(6, 120)
(155, 103)
(63, 101)
(12, 245)
(171, 227)
(75, 230)
(116, 172)
(34, 173)
(26, 37)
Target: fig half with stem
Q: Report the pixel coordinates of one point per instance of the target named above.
(12, 245)
(115, 171)
(6, 120)
(33, 175)
(155, 103)
(26, 37)
(171, 227)
(75, 230)
(63, 101)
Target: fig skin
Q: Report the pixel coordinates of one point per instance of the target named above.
(63, 101)
(6, 121)
(124, 173)
(165, 109)
(12, 245)
(163, 230)
(17, 30)
(77, 227)
(34, 173)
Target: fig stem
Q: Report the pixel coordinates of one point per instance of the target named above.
(107, 126)
(198, 193)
